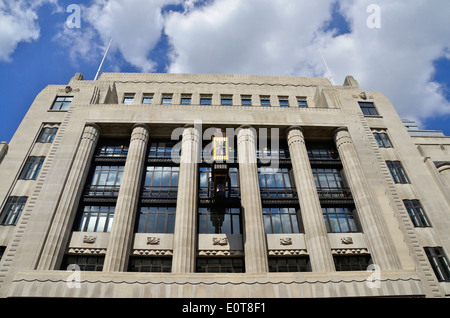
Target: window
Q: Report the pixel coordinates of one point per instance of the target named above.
(12, 210)
(439, 262)
(128, 98)
(289, 264)
(85, 262)
(281, 220)
(226, 100)
(368, 108)
(186, 99)
(220, 265)
(162, 149)
(210, 221)
(96, 218)
(397, 172)
(106, 181)
(32, 167)
(416, 213)
(166, 99)
(150, 264)
(47, 134)
(62, 102)
(156, 219)
(206, 183)
(339, 219)
(329, 183)
(382, 140)
(246, 100)
(284, 101)
(205, 99)
(161, 182)
(265, 101)
(275, 183)
(322, 151)
(273, 152)
(352, 262)
(147, 99)
(301, 102)
(112, 149)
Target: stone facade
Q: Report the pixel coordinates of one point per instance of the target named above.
(379, 173)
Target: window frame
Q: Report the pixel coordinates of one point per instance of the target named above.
(149, 219)
(32, 167)
(61, 103)
(416, 213)
(290, 222)
(12, 210)
(345, 219)
(439, 262)
(382, 139)
(87, 216)
(164, 267)
(302, 264)
(47, 134)
(152, 174)
(128, 98)
(397, 171)
(368, 108)
(219, 266)
(363, 261)
(146, 97)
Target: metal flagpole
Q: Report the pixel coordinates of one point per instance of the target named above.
(328, 70)
(106, 52)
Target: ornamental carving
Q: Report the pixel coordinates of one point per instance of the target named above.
(286, 241)
(153, 240)
(220, 241)
(89, 239)
(346, 240)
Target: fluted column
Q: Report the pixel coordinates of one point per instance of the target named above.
(369, 213)
(185, 232)
(316, 235)
(255, 245)
(66, 210)
(119, 245)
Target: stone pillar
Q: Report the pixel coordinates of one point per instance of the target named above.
(60, 229)
(316, 235)
(369, 213)
(185, 231)
(255, 245)
(119, 245)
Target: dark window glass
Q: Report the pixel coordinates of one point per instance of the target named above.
(227, 100)
(161, 181)
(289, 264)
(32, 167)
(96, 218)
(12, 210)
(322, 151)
(160, 149)
(302, 103)
(220, 265)
(205, 100)
(246, 101)
(416, 213)
(128, 98)
(265, 101)
(62, 103)
(156, 219)
(439, 262)
(284, 101)
(397, 172)
(85, 262)
(105, 181)
(382, 140)
(150, 264)
(47, 134)
(340, 219)
(227, 221)
(147, 99)
(276, 183)
(113, 148)
(281, 220)
(352, 262)
(368, 108)
(206, 183)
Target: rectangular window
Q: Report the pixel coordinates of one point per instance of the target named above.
(96, 218)
(289, 264)
(226, 100)
(106, 181)
(329, 184)
(265, 101)
(84, 262)
(416, 213)
(128, 98)
(368, 108)
(352, 262)
(112, 149)
(276, 183)
(147, 99)
(281, 220)
(62, 103)
(186, 99)
(32, 167)
(322, 151)
(439, 262)
(12, 210)
(161, 182)
(301, 102)
(382, 140)
(246, 100)
(166, 99)
(340, 219)
(284, 101)
(220, 265)
(205, 99)
(162, 149)
(156, 219)
(212, 222)
(47, 134)
(150, 264)
(397, 172)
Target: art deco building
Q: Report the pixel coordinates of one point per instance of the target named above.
(190, 185)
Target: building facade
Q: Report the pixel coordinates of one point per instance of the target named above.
(192, 185)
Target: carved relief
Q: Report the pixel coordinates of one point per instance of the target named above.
(153, 252)
(153, 240)
(346, 240)
(220, 241)
(286, 241)
(287, 252)
(89, 239)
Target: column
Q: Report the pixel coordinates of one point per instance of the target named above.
(316, 235)
(119, 245)
(185, 231)
(255, 245)
(66, 210)
(369, 213)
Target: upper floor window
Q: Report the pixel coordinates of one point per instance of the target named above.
(289, 264)
(128, 98)
(352, 262)
(150, 264)
(32, 167)
(339, 219)
(246, 100)
(265, 100)
(276, 183)
(281, 220)
(382, 139)
(186, 99)
(161, 181)
(368, 108)
(47, 134)
(84, 262)
(220, 265)
(12, 210)
(162, 149)
(147, 99)
(112, 148)
(439, 262)
(226, 100)
(301, 102)
(322, 151)
(62, 102)
(96, 218)
(106, 181)
(397, 171)
(227, 221)
(166, 99)
(205, 99)
(156, 219)
(416, 213)
(284, 101)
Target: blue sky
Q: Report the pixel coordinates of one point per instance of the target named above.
(406, 57)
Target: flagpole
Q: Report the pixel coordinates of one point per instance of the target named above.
(106, 52)
(326, 65)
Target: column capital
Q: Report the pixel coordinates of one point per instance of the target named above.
(140, 132)
(294, 134)
(342, 136)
